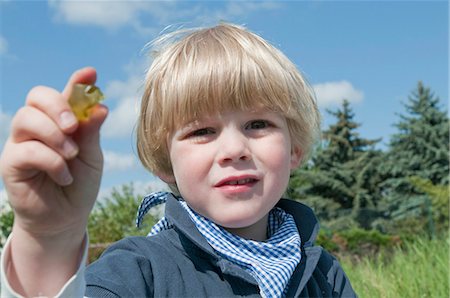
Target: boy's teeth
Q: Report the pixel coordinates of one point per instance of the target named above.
(239, 182)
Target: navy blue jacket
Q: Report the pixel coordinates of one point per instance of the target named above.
(179, 262)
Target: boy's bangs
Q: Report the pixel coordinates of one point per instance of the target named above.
(221, 96)
(219, 75)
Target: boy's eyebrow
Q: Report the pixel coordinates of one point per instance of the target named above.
(188, 125)
(209, 118)
(199, 121)
(194, 122)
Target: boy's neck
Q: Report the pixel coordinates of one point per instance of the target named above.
(256, 232)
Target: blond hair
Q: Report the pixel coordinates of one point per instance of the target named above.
(202, 71)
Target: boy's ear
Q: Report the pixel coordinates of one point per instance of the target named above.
(168, 178)
(296, 157)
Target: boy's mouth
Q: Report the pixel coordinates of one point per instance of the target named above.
(237, 181)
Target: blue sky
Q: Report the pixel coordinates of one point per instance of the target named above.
(372, 53)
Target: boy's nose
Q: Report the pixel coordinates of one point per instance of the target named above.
(233, 147)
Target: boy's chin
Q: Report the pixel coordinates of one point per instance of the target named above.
(238, 223)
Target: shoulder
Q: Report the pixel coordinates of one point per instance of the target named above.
(127, 267)
(122, 270)
(141, 248)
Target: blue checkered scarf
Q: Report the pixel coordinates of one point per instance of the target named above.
(271, 262)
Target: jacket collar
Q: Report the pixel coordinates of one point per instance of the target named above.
(306, 221)
(180, 219)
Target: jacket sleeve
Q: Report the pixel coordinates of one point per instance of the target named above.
(74, 287)
(121, 271)
(341, 286)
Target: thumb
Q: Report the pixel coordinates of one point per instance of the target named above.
(87, 135)
(86, 75)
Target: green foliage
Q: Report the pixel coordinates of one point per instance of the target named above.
(356, 238)
(341, 182)
(325, 239)
(6, 222)
(355, 242)
(418, 268)
(350, 184)
(420, 148)
(114, 218)
(438, 204)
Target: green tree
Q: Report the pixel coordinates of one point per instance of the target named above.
(437, 206)
(341, 181)
(420, 148)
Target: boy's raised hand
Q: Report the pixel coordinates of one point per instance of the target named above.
(51, 166)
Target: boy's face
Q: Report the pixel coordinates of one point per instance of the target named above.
(233, 167)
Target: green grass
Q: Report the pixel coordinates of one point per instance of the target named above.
(418, 269)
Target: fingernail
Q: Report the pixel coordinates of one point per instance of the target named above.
(70, 149)
(66, 178)
(67, 119)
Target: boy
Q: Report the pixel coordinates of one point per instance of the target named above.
(224, 119)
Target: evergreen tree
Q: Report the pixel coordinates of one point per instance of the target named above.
(341, 181)
(438, 208)
(420, 148)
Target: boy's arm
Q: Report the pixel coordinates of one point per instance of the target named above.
(74, 287)
(51, 166)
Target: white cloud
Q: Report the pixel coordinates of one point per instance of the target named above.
(5, 124)
(122, 118)
(333, 93)
(239, 8)
(118, 161)
(139, 188)
(149, 186)
(3, 46)
(115, 14)
(108, 14)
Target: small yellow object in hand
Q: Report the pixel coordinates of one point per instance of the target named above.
(83, 98)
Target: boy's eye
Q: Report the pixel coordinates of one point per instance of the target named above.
(201, 132)
(257, 124)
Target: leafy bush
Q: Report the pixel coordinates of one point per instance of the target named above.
(356, 242)
(357, 237)
(6, 222)
(114, 218)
